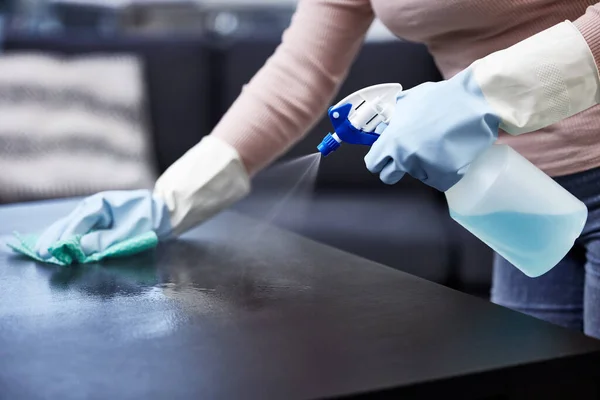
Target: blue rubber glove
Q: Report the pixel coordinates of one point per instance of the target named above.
(436, 131)
(108, 218)
(204, 181)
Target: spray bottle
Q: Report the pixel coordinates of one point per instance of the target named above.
(503, 199)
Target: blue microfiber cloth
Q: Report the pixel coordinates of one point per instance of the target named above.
(67, 252)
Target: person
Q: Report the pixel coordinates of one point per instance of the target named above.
(519, 72)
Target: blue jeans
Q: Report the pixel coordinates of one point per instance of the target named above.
(568, 295)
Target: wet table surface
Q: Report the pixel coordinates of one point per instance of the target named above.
(237, 309)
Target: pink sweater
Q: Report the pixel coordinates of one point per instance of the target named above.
(295, 87)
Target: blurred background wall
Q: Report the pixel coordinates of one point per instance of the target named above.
(114, 17)
(192, 59)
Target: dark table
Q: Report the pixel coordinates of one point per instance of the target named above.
(240, 310)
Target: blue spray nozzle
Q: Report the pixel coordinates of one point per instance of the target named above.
(345, 131)
(355, 119)
(328, 145)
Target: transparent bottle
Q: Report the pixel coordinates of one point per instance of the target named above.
(517, 210)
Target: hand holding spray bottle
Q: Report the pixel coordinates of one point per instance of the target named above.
(503, 199)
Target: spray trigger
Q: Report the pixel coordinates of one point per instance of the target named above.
(356, 117)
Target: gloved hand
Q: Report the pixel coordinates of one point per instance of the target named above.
(205, 180)
(436, 131)
(107, 218)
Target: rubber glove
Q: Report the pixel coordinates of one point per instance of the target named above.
(108, 218)
(205, 180)
(438, 129)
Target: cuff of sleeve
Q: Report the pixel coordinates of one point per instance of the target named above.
(589, 26)
(207, 179)
(540, 80)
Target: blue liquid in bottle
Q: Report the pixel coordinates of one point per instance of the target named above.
(534, 243)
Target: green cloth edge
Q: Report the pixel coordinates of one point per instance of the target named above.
(69, 251)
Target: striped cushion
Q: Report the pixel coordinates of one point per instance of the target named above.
(72, 126)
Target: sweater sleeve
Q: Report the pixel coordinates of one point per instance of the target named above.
(293, 89)
(589, 26)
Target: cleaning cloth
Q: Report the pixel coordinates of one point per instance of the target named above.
(67, 252)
